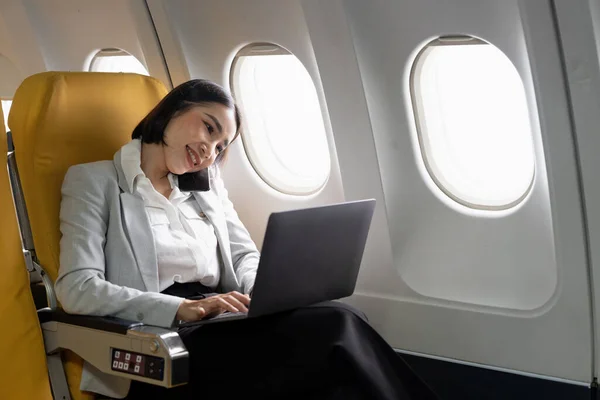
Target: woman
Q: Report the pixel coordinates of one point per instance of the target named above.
(135, 246)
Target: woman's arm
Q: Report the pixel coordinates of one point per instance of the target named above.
(81, 286)
(244, 254)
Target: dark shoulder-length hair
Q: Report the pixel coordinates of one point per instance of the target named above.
(192, 93)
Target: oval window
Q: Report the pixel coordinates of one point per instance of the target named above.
(116, 60)
(284, 135)
(473, 122)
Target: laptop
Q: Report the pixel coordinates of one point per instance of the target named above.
(309, 256)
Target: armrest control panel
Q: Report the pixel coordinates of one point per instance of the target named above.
(143, 353)
(137, 364)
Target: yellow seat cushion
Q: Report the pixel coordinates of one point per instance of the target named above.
(59, 119)
(23, 371)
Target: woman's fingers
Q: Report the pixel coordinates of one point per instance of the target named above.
(225, 305)
(233, 302)
(231, 299)
(243, 298)
(193, 310)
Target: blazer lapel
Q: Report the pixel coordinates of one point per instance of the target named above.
(210, 204)
(138, 230)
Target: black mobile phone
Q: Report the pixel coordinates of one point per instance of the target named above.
(194, 181)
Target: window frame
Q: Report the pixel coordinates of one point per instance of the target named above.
(113, 52)
(423, 139)
(267, 49)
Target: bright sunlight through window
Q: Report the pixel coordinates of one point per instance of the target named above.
(284, 136)
(473, 122)
(5, 105)
(116, 60)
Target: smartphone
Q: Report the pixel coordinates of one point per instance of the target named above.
(194, 181)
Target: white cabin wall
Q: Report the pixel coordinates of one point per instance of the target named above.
(169, 42)
(372, 43)
(70, 32)
(18, 46)
(579, 22)
(442, 249)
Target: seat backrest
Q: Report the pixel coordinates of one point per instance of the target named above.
(23, 371)
(59, 119)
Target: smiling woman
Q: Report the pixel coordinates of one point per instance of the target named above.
(212, 123)
(203, 263)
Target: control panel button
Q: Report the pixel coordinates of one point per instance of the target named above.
(148, 366)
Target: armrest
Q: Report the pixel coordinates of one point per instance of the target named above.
(109, 324)
(112, 344)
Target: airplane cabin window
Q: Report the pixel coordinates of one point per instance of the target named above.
(283, 135)
(473, 122)
(5, 105)
(116, 60)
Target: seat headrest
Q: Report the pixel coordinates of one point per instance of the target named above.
(77, 117)
(59, 119)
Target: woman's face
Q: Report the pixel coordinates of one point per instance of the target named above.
(195, 137)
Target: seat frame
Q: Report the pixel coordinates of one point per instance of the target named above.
(94, 339)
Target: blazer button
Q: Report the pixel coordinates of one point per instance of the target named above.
(140, 316)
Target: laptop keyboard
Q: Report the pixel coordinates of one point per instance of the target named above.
(224, 316)
(228, 314)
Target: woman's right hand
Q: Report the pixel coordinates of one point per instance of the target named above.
(194, 310)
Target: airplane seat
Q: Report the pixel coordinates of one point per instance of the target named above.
(59, 119)
(23, 373)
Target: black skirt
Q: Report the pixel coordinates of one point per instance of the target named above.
(324, 351)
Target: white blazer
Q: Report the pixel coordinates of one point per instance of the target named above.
(108, 261)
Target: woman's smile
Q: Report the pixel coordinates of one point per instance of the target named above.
(193, 158)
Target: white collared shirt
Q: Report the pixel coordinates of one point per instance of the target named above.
(185, 241)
